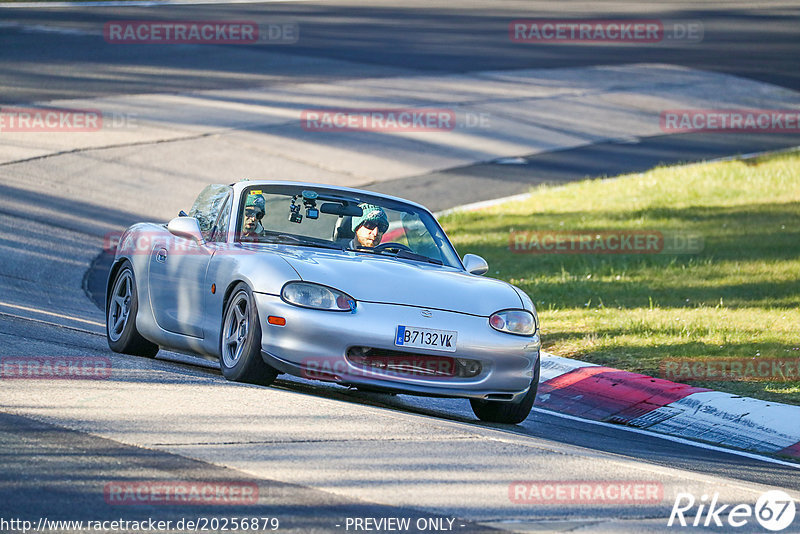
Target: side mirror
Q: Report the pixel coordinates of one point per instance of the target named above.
(187, 227)
(475, 264)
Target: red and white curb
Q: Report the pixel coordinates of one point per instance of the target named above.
(610, 395)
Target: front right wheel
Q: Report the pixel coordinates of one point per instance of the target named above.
(508, 412)
(241, 341)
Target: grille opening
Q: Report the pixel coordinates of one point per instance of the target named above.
(413, 363)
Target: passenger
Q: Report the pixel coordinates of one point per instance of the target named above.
(254, 211)
(369, 227)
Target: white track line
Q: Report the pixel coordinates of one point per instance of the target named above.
(51, 314)
(141, 3)
(674, 439)
(49, 323)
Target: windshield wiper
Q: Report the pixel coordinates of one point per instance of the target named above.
(404, 254)
(420, 257)
(330, 246)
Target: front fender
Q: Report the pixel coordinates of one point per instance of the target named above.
(263, 271)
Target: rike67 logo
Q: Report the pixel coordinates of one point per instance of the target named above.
(774, 510)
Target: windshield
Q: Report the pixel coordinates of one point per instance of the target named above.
(329, 218)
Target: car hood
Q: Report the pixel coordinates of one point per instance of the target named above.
(387, 280)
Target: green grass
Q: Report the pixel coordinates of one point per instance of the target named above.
(738, 297)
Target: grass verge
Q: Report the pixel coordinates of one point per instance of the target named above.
(737, 295)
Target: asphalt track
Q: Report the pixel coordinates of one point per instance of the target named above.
(52, 472)
(754, 42)
(54, 469)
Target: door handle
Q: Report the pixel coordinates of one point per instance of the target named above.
(161, 255)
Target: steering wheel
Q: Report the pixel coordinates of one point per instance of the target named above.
(391, 245)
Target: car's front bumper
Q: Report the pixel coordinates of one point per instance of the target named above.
(314, 344)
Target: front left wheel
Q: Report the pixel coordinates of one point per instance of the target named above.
(121, 310)
(241, 341)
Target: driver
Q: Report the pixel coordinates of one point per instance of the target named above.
(369, 227)
(254, 210)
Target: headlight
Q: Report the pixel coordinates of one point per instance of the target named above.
(520, 322)
(319, 297)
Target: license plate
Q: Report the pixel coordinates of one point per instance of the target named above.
(425, 338)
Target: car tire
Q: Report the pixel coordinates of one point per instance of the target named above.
(508, 412)
(122, 307)
(240, 340)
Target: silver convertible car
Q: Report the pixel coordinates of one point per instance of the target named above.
(326, 283)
